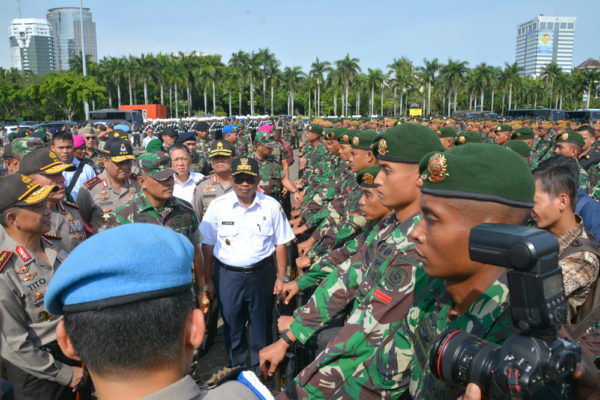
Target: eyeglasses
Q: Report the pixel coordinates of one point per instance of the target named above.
(239, 179)
(89, 137)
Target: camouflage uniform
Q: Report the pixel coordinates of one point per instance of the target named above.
(379, 281)
(199, 163)
(66, 224)
(243, 145)
(271, 173)
(176, 214)
(97, 162)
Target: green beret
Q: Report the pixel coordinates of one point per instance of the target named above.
(346, 135)
(330, 134)
(504, 128)
(519, 146)
(314, 128)
(571, 137)
(406, 143)
(154, 145)
(366, 177)
(523, 133)
(478, 171)
(468, 137)
(446, 131)
(363, 139)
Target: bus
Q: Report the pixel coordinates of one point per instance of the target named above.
(115, 116)
(584, 116)
(537, 113)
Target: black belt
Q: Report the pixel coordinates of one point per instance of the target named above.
(246, 270)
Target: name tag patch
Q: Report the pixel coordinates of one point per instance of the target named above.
(227, 223)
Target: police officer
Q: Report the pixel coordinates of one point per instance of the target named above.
(100, 196)
(35, 367)
(243, 229)
(44, 167)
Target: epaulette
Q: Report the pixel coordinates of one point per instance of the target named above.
(91, 182)
(50, 235)
(74, 205)
(5, 255)
(224, 375)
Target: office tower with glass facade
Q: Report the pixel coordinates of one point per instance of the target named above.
(65, 22)
(31, 45)
(543, 40)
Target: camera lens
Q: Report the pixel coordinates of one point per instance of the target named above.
(460, 358)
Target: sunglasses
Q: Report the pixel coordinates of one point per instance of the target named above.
(238, 179)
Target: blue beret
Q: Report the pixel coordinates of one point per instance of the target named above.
(122, 127)
(185, 136)
(229, 129)
(122, 265)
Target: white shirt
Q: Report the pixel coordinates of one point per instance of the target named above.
(185, 191)
(146, 140)
(86, 174)
(244, 236)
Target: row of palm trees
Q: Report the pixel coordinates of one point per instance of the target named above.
(435, 87)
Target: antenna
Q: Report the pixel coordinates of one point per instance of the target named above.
(19, 7)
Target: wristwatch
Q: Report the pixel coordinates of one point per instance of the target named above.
(283, 279)
(285, 337)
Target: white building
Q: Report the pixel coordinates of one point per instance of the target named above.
(31, 45)
(543, 40)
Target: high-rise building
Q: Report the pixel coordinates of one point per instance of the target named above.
(31, 45)
(543, 40)
(67, 34)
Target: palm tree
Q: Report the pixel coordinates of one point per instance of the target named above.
(131, 69)
(189, 63)
(454, 73)
(375, 78)
(483, 74)
(591, 77)
(204, 76)
(240, 63)
(511, 75)
(144, 65)
(335, 82)
(549, 75)
(429, 73)
(291, 80)
(318, 69)
(160, 73)
(403, 74)
(348, 68)
(358, 84)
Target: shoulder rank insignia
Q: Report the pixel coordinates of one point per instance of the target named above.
(224, 375)
(51, 235)
(23, 253)
(4, 257)
(92, 182)
(71, 204)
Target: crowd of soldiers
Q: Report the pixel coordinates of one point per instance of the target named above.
(381, 214)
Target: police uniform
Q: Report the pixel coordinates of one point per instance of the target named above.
(244, 241)
(67, 224)
(208, 189)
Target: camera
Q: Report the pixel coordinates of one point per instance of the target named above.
(534, 363)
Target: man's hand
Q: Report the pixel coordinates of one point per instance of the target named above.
(284, 322)
(204, 301)
(304, 247)
(296, 212)
(298, 182)
(298, 230)
(278, 287)
(78, 378)
(472, 393)
(289, 290)
(270, 357)
(210, 284)
(303, 262)
(299, 197)
(295, 222)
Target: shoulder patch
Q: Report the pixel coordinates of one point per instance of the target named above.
(71, 204)
(4, 257)
(92, 182)
(50, 235)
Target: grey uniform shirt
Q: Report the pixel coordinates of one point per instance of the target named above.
(187, 389)
(98, 200)
(26, 324)
(67, 224)
(207, 190)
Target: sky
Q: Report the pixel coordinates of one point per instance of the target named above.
(375, 31)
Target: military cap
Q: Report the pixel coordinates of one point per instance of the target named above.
(244, 165)
(330, 133)
(122, 127)
(406, 143)
(366, 177)
(154, 145)
(571, 137)
(169, 131)
(230, 129)
(186, 136)
(504, 128)
(156, 165)
(346, 135)
(221, 148)
(519, 146)
(468, 137)
(22, 146)
(201, 126)
(118, 150)
(43, 161)
(523, 133)
(265, 138)
(363, 139)
(20, 190)
(446, 131)
(127, 264)
(314, 128)
(478, 171)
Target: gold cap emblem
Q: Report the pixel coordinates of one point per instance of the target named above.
(355, 140)
(461, 139)
(382, 147)
(498, 129)
(368, 179)
(345, 138)
(437, 167)
(564, 136)
(438, 132)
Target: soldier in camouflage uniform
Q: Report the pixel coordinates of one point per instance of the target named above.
(199, 163)
(244, 143)
(100, 196)
(202, 142)
(15, 150)
(66, 224)
(273, 178)
(456, 197)
(569, 144)
(378, 280)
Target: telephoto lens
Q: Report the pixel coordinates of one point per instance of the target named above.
(460, 358)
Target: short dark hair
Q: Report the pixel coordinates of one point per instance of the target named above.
(559, 174)
(62, 135)
(586, 128)
(143, 335)
(179, 146)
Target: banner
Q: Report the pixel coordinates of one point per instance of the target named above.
(544, 42)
